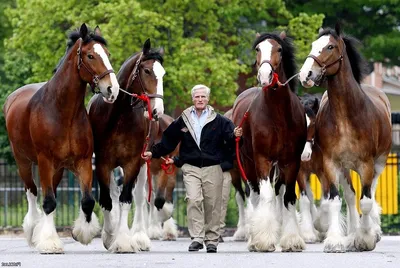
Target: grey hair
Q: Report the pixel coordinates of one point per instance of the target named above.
(196, 87)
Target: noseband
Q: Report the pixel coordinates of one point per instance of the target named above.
(95, 78)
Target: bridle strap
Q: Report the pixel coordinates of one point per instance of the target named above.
(269, 62)
(95, 78)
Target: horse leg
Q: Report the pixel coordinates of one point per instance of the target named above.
(108, 192)
(170, 230)
(306, 203)
(334, 241)
(45, 236)
(86, 226)
(353, 219)
(279, 192)
(291, 239)
(264, 226)
(379, 166)
(366, 234)
(154, 222)
(140, 239)
(122, 242)
(33, 215)
(240, 234)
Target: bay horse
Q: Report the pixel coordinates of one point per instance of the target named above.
(274, 134)
(346, 140)
(161, 203)
(49, 126)
(119, 132)
(307, 209)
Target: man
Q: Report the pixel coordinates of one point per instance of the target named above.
(202, 133)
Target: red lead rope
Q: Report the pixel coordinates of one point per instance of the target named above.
(275, 80)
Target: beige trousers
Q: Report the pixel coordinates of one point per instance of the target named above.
(226, 190)
(203, 196)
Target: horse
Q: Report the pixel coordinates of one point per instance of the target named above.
(308, 210)
(49, 126)
(346, 140)
(274, 134)
(161, 203)
(119, 132)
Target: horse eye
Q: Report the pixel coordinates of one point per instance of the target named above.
(90, 57)
(257, 49)
(330, 47)
(280, 49)
(147, 71)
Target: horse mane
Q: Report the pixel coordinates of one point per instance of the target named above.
(288, 55)
(73, 37)
(359, 65)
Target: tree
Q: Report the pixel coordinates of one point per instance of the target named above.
(374, 22)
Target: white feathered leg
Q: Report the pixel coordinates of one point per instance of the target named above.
(45, 236)
(138, 230)
(264, 227)
(32, 217)
(240, 234)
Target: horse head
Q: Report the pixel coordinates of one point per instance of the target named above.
(275, 54)
(146, 78)
(325, 57)
(93, 64)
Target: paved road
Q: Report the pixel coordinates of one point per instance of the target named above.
(174, 254)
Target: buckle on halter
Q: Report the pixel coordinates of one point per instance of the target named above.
(96, 80)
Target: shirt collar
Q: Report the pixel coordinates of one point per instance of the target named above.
(193, 110)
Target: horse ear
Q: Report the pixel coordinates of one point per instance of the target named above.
(282, 35)
(162, 51)
(97, 30)
(146, 46)
(315, 107)
(320, 30)
(83, 31)
(258, 35)
(338, 29)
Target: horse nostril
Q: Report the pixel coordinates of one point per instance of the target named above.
(109, 90)
(309, 73)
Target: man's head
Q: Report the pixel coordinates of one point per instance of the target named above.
(200, 96)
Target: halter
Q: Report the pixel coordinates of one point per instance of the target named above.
(96, 78)
(145, 97)
(324, 67)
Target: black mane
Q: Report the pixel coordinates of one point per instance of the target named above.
(73, 37)
(288, 57)
(359, 65)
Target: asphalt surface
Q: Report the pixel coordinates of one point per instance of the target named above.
(14, 252)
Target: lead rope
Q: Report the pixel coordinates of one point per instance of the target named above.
(275, 81)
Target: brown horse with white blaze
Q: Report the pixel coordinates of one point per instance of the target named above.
(353, 131)
(120, 132)
(273, 135)
(50, 127)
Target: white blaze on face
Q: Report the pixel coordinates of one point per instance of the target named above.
(316, 50)
(159, 72)
(108, 96)
(264, 72)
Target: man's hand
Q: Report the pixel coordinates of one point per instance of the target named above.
(169, 161)
(238, 131)
(147, 155)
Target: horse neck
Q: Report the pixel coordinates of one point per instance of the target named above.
(345, 95)
(66, 90)
(124, 100)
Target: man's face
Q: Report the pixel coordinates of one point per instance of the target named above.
(200, 99)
